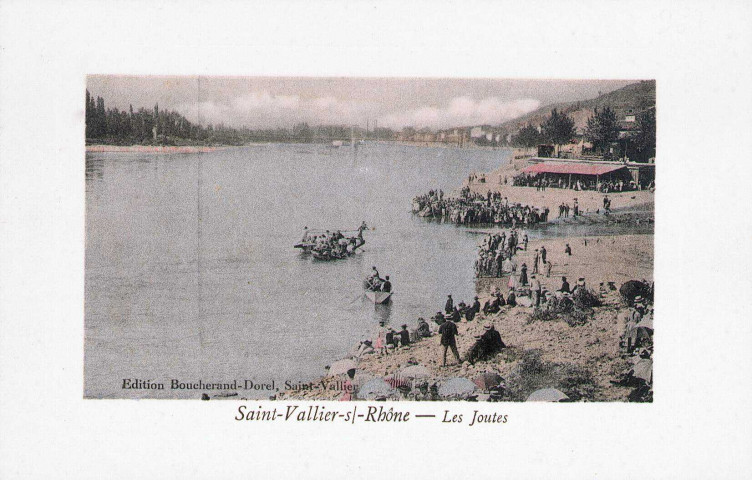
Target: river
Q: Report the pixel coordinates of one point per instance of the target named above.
(191, 272)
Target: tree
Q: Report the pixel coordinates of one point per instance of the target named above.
(301, 132)
(558, 128)
(100, 119)
(528, 136)
(90, 111)
(645, 138)
(602, 129)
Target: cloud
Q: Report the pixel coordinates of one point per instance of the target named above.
(260, 109)
(461, 111)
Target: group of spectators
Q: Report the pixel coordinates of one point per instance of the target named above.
(496, 251)
(541, 181)
(475, 208)
(637, 348)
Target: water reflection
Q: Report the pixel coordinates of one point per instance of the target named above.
(94, 168)
(382, 312)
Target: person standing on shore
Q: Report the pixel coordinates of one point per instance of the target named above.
(523, 275)
(448, 332)
(524, 241)
(449, 306)
(499, 263)
(536, 261)
(548, 269)
(380, 340)
(543, 253)
(535, 288)
(568, 250)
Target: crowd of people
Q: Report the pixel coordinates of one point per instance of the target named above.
(541, 181)
(496, 252)
(637, 348)
(475, 208)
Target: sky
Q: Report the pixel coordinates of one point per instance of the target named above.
(271, 102)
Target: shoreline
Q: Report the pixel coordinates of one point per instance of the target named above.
(591, 350)
(152, 148)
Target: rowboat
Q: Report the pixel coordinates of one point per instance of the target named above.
(378, 297)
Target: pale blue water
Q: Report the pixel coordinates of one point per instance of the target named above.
(237, 301)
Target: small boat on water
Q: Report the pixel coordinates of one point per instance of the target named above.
(378, 297)
(331, 245)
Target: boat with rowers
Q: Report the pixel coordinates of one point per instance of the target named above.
(328, 245)
(377, 289)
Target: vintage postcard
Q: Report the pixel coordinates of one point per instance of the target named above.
(330, 239)
(355, 239)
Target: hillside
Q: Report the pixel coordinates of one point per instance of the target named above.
(635, 97)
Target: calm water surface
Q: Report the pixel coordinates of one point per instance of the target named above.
(191, 274)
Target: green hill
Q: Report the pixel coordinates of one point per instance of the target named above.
(630, 99)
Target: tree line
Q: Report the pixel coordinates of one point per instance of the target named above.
(602, 131)
(160, 127)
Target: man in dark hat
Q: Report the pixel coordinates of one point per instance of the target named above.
(390, 338)
(476, 305)
(404, 336)
(439, 318)
(471, 311)
(387, 285)
(448, 332)
(449, 306)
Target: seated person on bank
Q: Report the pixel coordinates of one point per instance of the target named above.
(486, 345)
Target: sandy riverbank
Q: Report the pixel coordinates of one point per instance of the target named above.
(565, 354)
